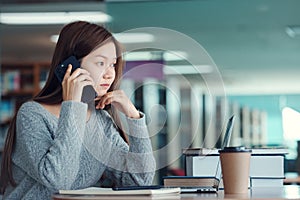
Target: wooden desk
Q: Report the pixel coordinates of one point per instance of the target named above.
(285, 192)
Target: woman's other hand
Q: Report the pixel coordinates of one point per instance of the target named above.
(120, 101)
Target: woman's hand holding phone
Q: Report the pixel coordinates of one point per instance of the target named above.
(119, 100)
(73, 83)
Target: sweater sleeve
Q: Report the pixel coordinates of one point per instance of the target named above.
(133, 164)
(50, 158)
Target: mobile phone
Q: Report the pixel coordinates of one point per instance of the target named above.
(145, 187)
(61, 69)
(88, 93)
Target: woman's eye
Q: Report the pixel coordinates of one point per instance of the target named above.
(113, 65)
(100, 63)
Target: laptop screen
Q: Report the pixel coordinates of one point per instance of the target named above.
(228, 132)
(225, 143)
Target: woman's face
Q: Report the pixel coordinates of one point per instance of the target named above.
(101, 65)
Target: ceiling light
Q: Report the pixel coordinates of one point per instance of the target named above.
(134, 37)
(135, 56)
(293, 31)
(187, 69)
(124, 37)
(53, 17)
(156, 55)
(175, 55)
(54, 38)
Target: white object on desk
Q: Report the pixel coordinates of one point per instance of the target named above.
(265, 164)
(110, 192)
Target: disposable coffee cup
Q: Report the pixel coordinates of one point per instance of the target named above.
(235, 164)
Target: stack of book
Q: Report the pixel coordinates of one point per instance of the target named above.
(188, 181)
(266, 165)
(192, 183)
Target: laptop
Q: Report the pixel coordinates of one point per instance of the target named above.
(218, 176)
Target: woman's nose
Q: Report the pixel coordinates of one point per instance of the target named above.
(108, 73)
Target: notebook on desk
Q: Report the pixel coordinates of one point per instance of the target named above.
(200, 183)
(123, 192)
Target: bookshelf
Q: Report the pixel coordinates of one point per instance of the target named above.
(19, 83)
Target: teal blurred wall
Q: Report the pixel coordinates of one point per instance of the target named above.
(273, 105)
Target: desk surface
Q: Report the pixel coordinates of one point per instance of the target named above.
(285, 192)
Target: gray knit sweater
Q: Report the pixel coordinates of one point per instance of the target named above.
(69, 153)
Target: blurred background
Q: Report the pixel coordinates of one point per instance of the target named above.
(191, 64)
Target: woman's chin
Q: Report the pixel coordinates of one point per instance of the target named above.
(101, 93)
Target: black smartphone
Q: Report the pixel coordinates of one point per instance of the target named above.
(145, 187)
(61, 69)
(88, 93)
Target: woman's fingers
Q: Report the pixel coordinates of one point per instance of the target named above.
(78, 72)
(120, 101)
(115, 97)
(80, 77)
(74, 83)
(68, 72)
(104, 100)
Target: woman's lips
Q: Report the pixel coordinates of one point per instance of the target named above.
(105, 85)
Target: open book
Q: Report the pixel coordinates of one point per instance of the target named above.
(111, 192)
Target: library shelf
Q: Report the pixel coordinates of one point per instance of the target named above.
(19, 83)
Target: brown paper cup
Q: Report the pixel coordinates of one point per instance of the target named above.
(235, 163)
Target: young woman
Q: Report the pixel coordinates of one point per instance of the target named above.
(58, 142)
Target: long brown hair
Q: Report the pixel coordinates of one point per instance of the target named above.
(78, 39)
